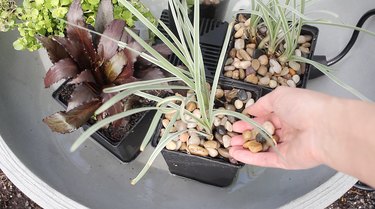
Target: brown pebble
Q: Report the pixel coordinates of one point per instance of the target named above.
(229, 68)
(247, 135)
(236, 74)
(219, 93)
(252, 79)
(246, 145)
(228, 74)
(224, 152)
(212, 152)
(211, 144)
(262, 70)
(255, 64)
(292, 72)
(263, 60)
(242, 74)
(165, 122)
(232, 53)
(244, 55)
(239, 32)
(191, 106)
(250, 51)
(197, 150)
(255, 146)
(183, 147)
(251, 46)
(184, 137)
(241, 18)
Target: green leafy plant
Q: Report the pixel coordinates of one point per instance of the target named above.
(7, 15)
(186, 47)
(41, 17)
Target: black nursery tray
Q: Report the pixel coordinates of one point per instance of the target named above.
(128, 147)
(306, 30)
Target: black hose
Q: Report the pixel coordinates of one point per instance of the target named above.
(353, 39)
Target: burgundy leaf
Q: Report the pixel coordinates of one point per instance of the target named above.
(63, 69)
(122, 80)
(55, 51)
(108, 48)
(128, 70)
(84, 77)
(149, 73)
(133, 55)
(163, 49)
(81, 95)
(75, 16)
(115, 109)
(76, 51)
(115, 66)
(104, 15)
(67, 122)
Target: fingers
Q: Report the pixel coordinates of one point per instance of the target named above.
(265, 105)
(264, 159)
(237, 141)
(241, 126)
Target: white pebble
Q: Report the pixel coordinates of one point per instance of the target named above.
(291, 83)
(244, 64)
(191, 125)
(226, 141)
(273, 84)
(238, 104)
(212, 152)
(275, 66)
(296, 78)
(269, 127)
(194, 140)
(301, 39)
(298, 53)
(229, 126)
(171, 145)
(217, 121)
(264, 81)
(180, 125)
(249, 103)
(239, 44)
(296, 66)
(197, 113)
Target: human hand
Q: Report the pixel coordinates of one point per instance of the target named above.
(299, 118)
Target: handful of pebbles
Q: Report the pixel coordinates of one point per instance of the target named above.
(249, 62)
(255, 142)
(218, 143)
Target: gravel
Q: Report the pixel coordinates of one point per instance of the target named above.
(13, 198)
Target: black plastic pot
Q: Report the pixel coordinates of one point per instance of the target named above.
(306, 30)
(126, 149)
(214, 171)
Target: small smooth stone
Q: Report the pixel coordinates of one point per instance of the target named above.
(250, 70)
(212, 152)
(202, 142)
(230, 107)
(217, 121)
(191, 106)
(284, 71)
(269, 127)
(255, 64)
(219, 93)
(183, 147)
(211, 144)
(242, 18)
(239, 44)
(244, 55)
(232, 134)
(257, 53)
(304, 50)
(259, 138)
(238, 55)
(162, 131)
(219, 137)
(236, 74)
(197, 150)
(233, 53)
(194, 139)
(247, 135)
(197, 113)
(262, 70)
(296, 66)
(169, 115)
(228, 74)
(273, 84)
(184, 137)
(221, 116)
(287, 77)
(282, 81)
(188, 117)
(263, 30)
(245, 64)
(251, 46)
(298, 53)
(250, 51)
(308, 38)
(231, 119)
(236, 64)
(239, 32)
(229, 95)
(165, 122)
(307, 45)
(242, 95)
(263, 60)
(221, 130)
(180, 125)
(224, 152)
(264, 81)
(276, 138)
(301, 39)
(229, 68)
(296, 78)
(265, 147)
(191, 125)
(275, 66)
(246, 145)
(249, 103)
(179, 144)
(238, 26)
(291, 83)
(229, 126)
(252, 79)
(223, 121)
(255, 146)
(226, 141)
(242, 73)
(229, 61)
(247, 22)
(172, 145)
(238, 104)
(291, 71)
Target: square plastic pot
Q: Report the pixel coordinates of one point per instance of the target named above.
(214, 171)
(128, 148)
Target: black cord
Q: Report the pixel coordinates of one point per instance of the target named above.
(353, 39)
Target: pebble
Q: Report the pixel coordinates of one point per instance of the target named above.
(197, 150)
(255, 64)
(308, 38)
(298, 53)
(165, 122)
(262, 70)
(184, 137)
(194, 139)
(183, 147)
(257, 53)
(191, 106)
(251, 46)
(191, 125)
(296, 78)
(296, 66)
(265, 147)
(232, 53)
(244, 55)
(284, 71)
(172, 145)
(252, 79)
(291, 83)
(242, 74)
(229, 126)
(238, 104)
(197, 113)
(269, 127)
(307, 45)
(263, 60)
(250, 51)
(273, 84)
(275, 66)
(216, 121)
(229, 68)
(224, 152)
(231, 119)
(230, 107)
(247, 22)
(304, 50)
(249, 103)
(180, 125)
(237, 63)
(259, 138)
(242, 18)
(211, 144)
(291, 71)
(255, 146)
(219, 137)
(236, 74)
(246, 64)
(240, 44)
(242, 95)
(223, 121)
(226, 141)
(228, 74)
(230, 95)
(264, 81)
(238, 26)
(250, 70)
(221, 130)
(263, 30)
(239, 32)
(219, 93)
(247, 135)
(246, 145)
(238, 55)
(301, 39)
(229, 61)
(202, 142)
(212, 152)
